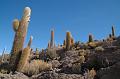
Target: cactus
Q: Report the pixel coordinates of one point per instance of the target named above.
(90, 38)
(15, 24)
(2, 59)
(68, 41)
(37, 53)
(49, 44)
(64, 43)
(72, 41)
(52, 39)
(24, 59)
(20, 34)
(113, 31)
(30, 41)
(110, 36)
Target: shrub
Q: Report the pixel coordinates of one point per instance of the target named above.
(76, 68)
(51, 53)
(100, 49)
(36, 66)
(91, 74)
(82, 59)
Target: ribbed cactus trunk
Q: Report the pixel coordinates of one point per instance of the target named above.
(113, 31)
(52, 39)
(25, 56)
(68, 41)
(19, 38)
(90, 38)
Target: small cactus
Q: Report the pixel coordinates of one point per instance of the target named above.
(68, 40)
(49, 44)
(2, 59)
(110, 36)
(72, 41)
(113, 31)
(90, 38)
(64, 43)
(37, 53)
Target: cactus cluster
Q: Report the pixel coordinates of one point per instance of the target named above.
(20, 28)
(21, 58)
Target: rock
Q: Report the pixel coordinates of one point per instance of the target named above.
(54, 75)
(17, 75)
(112, 72)
(55, 63)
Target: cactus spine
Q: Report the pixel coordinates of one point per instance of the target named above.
(68, 41)
(20, 34)
(113, 31)
(90, 38)
(52, 39)
(24, 59)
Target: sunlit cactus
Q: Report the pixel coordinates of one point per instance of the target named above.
(68, 40)
(113, 31)
(72, 41)
(30, 41)
(52, 39)
(90, 38)
(20, 34)
(15, 24)
(25, 57)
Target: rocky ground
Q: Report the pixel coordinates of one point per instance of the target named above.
(106, 64)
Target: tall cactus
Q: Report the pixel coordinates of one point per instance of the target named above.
(68, 40)
(90, 38)
(52, 39)
(113, 31)
(20, 28)
(24, 58)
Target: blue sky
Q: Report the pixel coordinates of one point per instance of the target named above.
(80, 17)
